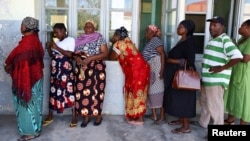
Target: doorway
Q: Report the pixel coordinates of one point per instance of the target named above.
(151, 13)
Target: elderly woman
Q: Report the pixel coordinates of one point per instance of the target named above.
(90, 52)
(136, 71)
(154, 54)
(25, 66)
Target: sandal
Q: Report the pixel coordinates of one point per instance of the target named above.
(130, 121)
(151, 117)
(47, 122)
(226, 122)
(96, 123)
(28, 137)
(174, 122)
(85, 122)
(160, 121)
(72, 125)
(154, 119)
(181, 131)
(137, 123)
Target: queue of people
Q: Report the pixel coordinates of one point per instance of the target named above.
(78, 76)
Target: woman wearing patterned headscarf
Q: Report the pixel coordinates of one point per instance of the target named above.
(90, 52)
(136, 71)
(25, 66)
(154, 54)
(180, 103)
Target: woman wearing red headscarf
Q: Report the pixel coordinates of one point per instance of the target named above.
(154, 54)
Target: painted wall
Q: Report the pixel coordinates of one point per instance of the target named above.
(11, 14)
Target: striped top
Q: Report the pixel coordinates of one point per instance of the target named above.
(149, 50)
(218, 52)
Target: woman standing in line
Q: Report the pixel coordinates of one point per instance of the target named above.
(25, 66)
(181, 103)
(154, 54)
(136, 71)
(237, 97)
(91, 50)
(62, 95)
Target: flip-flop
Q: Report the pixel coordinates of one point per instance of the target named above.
(181, 131)
(130, 121)
(174, 122)
(27, 137)
(137, 122)
(47, 122)
(160, 121)
(72, 125)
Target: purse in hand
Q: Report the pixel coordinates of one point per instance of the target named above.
(186, 80)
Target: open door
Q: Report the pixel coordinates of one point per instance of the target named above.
(151, 13)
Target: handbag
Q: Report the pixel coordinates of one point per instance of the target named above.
(186, 80)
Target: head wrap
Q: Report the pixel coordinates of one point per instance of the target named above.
(92, 22)
(31, 24)
(122, 31)
(86, 38)
(189, 25)
(156, 30)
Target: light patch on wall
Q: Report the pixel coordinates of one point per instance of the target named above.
(16, 9)
(146, 7)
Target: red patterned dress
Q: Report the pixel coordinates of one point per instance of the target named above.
(136, 71)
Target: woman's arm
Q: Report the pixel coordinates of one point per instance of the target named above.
(161, 51)
(64, 52)
(113, 55)
(48, 48)
(101, 56)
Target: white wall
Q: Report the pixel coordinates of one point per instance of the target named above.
(16, 9)
(11, 14)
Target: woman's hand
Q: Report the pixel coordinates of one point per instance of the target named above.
(86, 61)
(7, 68)
(78, 60)
(48, 45)
(161, 74)
(53, 45)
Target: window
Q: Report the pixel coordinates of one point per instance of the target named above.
(108, 14)
(88, 9)
(196, 10)
(120, 15)
(170, 24)
(246, 14)
(56, 11)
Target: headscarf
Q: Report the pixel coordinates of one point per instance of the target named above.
(122, 31)
(86, 38)
(156, 30)
(189, 25)
(92, 22)
(31, 24)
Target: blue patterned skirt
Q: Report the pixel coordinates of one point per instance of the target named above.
(29, 115)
